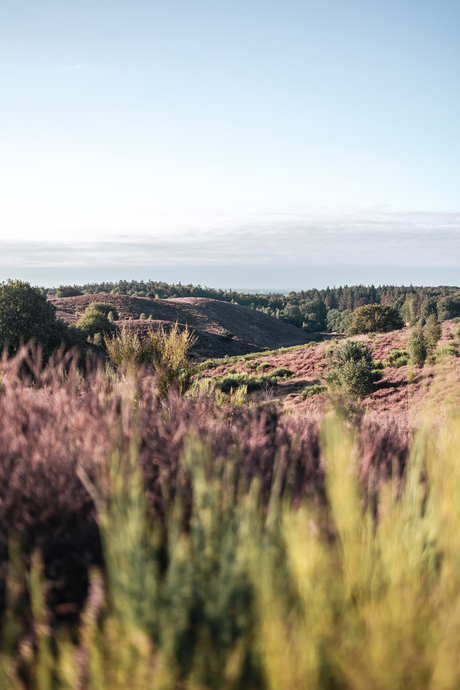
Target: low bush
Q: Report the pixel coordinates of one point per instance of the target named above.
(445, 351)
(397, 358)
(313, 389)
(226, 335)
(350, 370)
(168, 353)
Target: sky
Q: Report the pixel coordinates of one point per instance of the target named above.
(243, 144)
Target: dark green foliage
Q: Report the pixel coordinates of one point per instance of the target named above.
(350, 370)
(26, 314)
(433, 331)
(67, 291)
(449, 306)
(339, 321)
(417, 347)
(375, 318)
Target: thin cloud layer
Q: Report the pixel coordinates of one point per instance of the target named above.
(352, 237)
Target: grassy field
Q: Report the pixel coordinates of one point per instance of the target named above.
(173, 542)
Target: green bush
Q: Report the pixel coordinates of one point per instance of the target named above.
(102, 308)
(445, 351)
(26, 315)
(93, 322)
(416, 347)
(375, 318)
(111, 316)
(282, 373)
(433, 332)
(143, 316)
(312, 390)
(350, 370)
(397, 358)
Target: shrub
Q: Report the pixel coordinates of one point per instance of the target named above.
(397, 358)
(94, 321)
(25, 315)
(111, 316)
(433, 332)
(143, 316)
(350, 370)
(375, 318)
(126, 351)
(312, 390)
(416, 347)
(168, 354)
(226, 335)
(102, 308)
(446, 351)
(282, 373)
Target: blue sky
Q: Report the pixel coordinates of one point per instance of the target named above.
(238, 144)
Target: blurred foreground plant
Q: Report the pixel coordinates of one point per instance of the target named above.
(347, 594)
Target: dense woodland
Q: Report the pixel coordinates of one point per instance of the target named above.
(313, 310)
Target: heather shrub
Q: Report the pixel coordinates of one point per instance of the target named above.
(375, 318)
(416, 347)
(350, 370)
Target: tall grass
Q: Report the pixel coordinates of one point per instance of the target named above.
(235, 576)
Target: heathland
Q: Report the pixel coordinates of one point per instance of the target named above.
(194, 494)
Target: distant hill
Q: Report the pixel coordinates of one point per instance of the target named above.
(253, 331)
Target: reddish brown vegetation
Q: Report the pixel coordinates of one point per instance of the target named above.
(62, 422)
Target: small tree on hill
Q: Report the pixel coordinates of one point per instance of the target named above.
(432, 332)
(351, 370)
(417, 347)
(375, 318)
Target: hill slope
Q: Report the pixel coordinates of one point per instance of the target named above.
(253, 330)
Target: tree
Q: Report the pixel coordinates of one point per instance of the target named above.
(432, 332)
(351, 370)
(416, 347)
(375, 318)
(26, 315)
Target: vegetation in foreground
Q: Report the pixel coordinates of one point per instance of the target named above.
(168, 542)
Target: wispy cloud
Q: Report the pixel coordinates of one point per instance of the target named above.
(366, 238)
